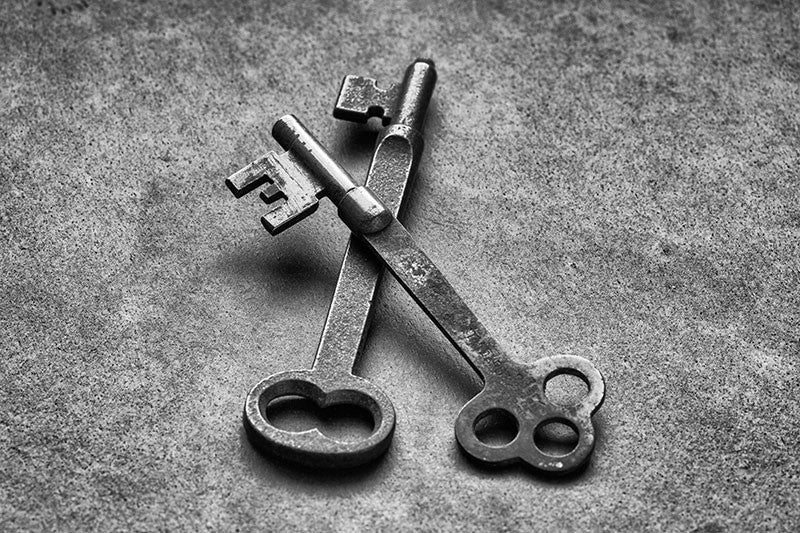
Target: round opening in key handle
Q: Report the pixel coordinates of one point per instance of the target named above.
(517, 399)
(311, 447)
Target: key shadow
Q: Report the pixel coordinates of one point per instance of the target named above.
(352, 147)
(319, 480)
(262, 262)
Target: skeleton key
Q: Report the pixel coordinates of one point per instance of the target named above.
(511, 389)
(330, 381)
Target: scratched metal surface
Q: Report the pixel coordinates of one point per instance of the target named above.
(613, 180)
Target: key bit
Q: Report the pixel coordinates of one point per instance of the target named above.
(402, 103)
(271, 193)
(292, 189)
(305, 172)
(299, 177)
(250, 177)
(360, 98)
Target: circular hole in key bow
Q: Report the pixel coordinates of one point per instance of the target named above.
(496, 427)
(342, 422)
(556, 437)
(566, 388)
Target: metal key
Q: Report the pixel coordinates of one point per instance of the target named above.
(330, 381)
(510, 388)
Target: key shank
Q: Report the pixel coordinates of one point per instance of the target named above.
(428, 286)
(361, 210)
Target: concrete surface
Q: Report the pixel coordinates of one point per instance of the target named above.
(616, 180)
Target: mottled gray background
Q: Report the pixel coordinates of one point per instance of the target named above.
(612, 179)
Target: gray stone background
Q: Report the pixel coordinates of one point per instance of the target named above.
(612, 179)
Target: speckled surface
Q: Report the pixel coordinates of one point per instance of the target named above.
(612, 179)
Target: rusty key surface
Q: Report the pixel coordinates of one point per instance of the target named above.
(510, 389)
(330, 381)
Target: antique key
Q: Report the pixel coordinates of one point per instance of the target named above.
(330, 381)
(511, 389)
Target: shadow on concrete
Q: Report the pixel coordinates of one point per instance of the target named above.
(268, 260)
(277, 471)
(353, 145)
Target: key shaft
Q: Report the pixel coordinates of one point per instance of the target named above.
(296, 139)
(360, 209)
(429, 287)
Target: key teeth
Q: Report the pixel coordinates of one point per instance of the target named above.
(292, 188)
(277, 220)
(250, 177)
(360, 98)
(271, 193)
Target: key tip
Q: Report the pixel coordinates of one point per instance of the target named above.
(237, 193)
(285, 130)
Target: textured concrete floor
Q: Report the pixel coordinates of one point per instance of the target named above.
(617, 180)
